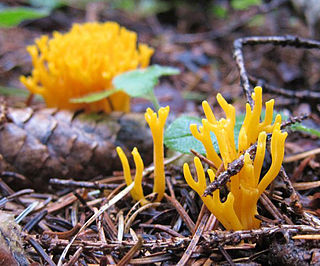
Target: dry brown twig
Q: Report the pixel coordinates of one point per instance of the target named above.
(209, 239)
(288, 40)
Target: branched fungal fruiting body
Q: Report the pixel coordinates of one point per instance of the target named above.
(136, 192)
(239, 209)
(156, 124)
(82, 61)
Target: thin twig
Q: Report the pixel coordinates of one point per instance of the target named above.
(273, 210)
(126, 258)
(306, 95)
(266, 220)
(288, 40)
(194, 241)
(217, 237)
(209, 239)
(233, 168)
(204, 159)
(203, 210)
(226, 255)
(163, 228)
(41, 251)
(183, 214)
(75, 257)
(294, 197)
(81, 184)
(294, 119)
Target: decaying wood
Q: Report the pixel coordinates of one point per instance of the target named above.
(51, 143)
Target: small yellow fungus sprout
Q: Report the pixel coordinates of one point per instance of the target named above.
(83, 61)
(136, 192)
(238, 210)
(156, 123)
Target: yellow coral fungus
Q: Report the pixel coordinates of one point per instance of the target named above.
(240, 207)
(251, 125)
(223, 211)
(136, 192)
(156, 124)
(82, 61)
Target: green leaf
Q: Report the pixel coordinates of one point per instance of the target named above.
(244, 4)
(12, 16)
(178, 136)
(304, 128)
(93, 97)
(136, 83)
(141, 82)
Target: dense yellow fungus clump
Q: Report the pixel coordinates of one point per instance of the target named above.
(238, 210)
(83, 61)
(156, 123)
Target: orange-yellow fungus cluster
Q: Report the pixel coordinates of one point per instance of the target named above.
(83, 61)
(156, 123)
(238, 210)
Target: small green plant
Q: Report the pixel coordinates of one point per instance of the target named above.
(138, 83)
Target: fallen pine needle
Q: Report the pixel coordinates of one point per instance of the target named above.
(113, 201)
(126, 258)
(307, 237)
(301, 155)
(306, 185)
(134, 215)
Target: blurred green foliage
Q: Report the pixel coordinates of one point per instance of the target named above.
(244, 4)
(12, 16)
(142, 8)
(219, 11)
